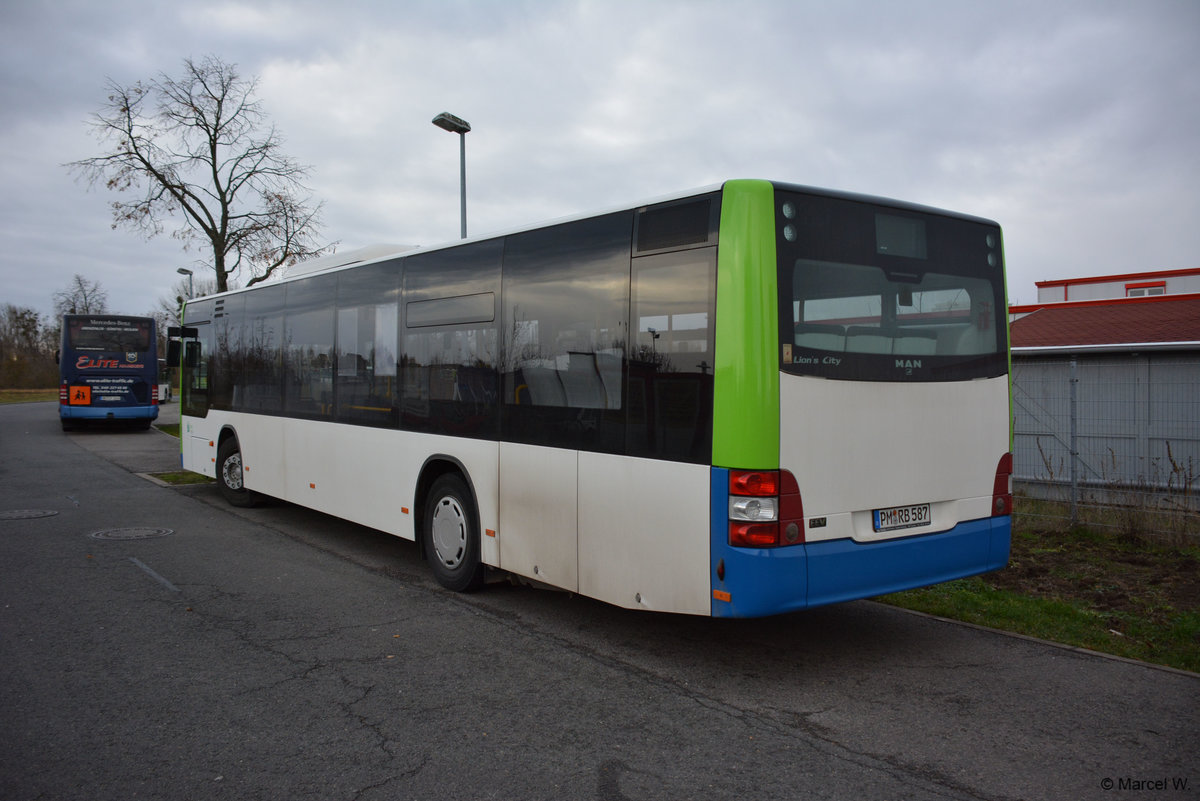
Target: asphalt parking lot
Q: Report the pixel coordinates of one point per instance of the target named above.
(155, 643)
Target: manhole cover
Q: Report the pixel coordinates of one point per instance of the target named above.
(130, 533)
(26, 514)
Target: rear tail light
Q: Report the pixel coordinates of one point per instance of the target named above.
(760, 483)
(1002, 491)
(154, 395)
(64, 393)
(764, 509)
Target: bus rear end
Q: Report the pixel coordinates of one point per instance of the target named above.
(108, 369)
(893, 464)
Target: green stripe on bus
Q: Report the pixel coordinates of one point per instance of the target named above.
(746, 362)
(1008, 346)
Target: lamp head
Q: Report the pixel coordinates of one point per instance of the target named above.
(448, 122)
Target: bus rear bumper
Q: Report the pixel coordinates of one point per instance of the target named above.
(843, 570)
(760, 582)
(82, 413)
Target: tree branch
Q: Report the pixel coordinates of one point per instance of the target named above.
(205, 161)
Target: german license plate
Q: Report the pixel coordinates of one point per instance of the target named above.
(898, 517)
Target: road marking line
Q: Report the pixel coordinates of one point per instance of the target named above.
(154, 575)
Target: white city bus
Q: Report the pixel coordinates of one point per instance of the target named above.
(739, 401)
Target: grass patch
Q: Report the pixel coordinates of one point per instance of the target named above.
(1097, 589)
(169, 428)
(181, 478)
(28, 395)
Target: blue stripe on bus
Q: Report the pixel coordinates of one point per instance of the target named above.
(770, 581)
(107, 412)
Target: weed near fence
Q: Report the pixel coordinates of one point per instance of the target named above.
(1127, 512)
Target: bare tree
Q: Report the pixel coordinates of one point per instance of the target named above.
(198, 152)
(26, 349)
(81, 297)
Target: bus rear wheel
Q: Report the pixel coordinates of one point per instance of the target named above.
(230, 475)
(450, 535)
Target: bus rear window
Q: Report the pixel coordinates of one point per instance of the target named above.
(872, 296)
(109, 335)
(940, 315)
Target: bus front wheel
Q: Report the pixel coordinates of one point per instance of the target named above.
(451, 535)
(230, 475)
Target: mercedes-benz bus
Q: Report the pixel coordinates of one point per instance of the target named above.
(108, 370)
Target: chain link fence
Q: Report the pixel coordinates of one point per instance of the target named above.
(1109, 439)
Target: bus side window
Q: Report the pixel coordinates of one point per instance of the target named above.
(670, 362)
(565, 308)
(448, 371)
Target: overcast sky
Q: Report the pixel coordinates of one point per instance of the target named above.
(1073, 123)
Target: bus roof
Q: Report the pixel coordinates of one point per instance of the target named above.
(371, 254)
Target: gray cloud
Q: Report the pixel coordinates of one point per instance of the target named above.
(1071, 123)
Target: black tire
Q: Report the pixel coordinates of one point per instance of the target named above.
(230, 475)
(450, 535)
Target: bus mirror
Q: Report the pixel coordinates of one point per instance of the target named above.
(192, 354)
(174, 332)
(173, 351)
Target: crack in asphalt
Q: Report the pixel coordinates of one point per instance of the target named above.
(799, 726)
(784, 723)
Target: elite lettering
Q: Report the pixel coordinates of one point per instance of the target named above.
(88, 363)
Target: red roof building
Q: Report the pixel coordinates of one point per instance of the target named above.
(1145, 320)
(1106, 390)
(1126, 285)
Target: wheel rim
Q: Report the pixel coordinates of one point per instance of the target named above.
(231, 471)
(449, 530)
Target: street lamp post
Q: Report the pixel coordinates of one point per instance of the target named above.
(188, 273)
(448, 122)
